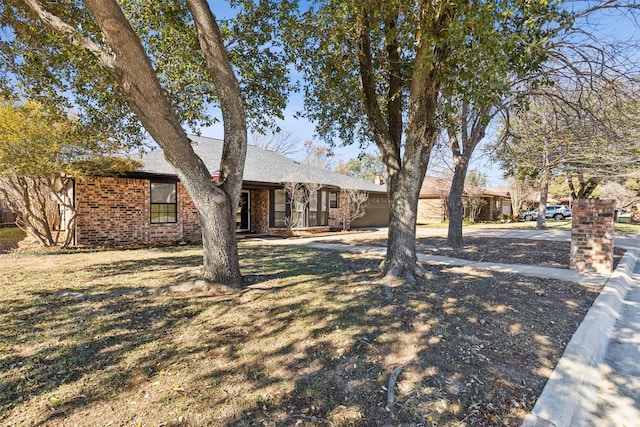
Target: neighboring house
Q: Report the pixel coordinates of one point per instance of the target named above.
(150, 204)
(432, 202)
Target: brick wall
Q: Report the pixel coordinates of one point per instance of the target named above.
(117, 210)
(431, 210)
(259, 211)
(592, 235)
(339, 215)
(635, 214)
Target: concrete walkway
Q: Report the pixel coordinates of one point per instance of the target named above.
(597, 380)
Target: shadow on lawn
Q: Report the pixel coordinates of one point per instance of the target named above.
(312, 343)
(88, 338)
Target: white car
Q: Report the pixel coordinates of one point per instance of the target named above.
(553, 211)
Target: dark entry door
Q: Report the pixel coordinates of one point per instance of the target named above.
(242, 216)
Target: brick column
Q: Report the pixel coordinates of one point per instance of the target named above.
(635, 214)
(592, 235)
(259, 211)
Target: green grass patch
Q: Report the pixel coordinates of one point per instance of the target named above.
(10, 237)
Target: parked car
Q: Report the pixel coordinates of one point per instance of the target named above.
(553, 211)
(529, 215)
(558, 212)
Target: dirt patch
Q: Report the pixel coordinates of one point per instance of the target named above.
(544, 253)
(312, 340)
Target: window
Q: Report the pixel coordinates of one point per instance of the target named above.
(303, 213)
(323, 214)
(279, 208)
(313, 210)
(333, 200)
(164, 208)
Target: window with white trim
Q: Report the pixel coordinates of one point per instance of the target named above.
(164, 205)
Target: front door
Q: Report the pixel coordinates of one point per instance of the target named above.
(242, 214)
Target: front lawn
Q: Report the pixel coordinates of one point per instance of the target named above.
(312, 339)
(10, 237)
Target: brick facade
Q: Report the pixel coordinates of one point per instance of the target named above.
(635, 214)
(259, 211)
(431, 210)
(592, 235)
(338, 216)
(117, 210)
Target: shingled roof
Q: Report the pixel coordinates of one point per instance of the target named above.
(261, 166)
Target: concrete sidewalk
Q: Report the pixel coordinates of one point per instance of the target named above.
(597, 380)
(578, 392)
(618, 397)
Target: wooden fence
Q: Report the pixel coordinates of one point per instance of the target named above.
(7, 218)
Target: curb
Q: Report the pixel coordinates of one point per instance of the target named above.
(570, 393)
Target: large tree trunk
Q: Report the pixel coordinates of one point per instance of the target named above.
(142, 89)
(401, 259)
(454, 204)
(406, 168)
(130, 66)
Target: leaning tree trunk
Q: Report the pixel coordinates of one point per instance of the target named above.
(128, 63)
(140, 85)
(455, 207)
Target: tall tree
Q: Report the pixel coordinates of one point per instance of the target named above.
(160, 64)
(536, 149)
(381, 70)
(585, 135)
(465, 132)
(577, 54)
(366, 166)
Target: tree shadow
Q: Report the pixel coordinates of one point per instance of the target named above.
(312, 342)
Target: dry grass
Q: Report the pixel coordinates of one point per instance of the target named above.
(310, 340)
(10, 237)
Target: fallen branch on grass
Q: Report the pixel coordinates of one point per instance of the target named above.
(391, 394)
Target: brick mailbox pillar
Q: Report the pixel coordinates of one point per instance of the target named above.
(592, 235)
(635, 214)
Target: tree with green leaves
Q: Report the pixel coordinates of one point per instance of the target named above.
(40, 156)
(366, 166)
(536, 149)
(381, 71)
(137, 68)
(576, 54)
